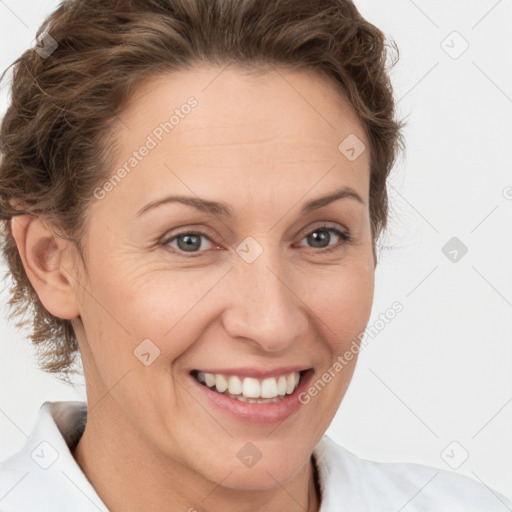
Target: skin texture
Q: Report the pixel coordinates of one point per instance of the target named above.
(265, 145)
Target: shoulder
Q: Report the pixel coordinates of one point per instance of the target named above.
(43, 475)
(409, 487)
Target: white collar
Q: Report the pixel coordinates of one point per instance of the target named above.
(44, 476)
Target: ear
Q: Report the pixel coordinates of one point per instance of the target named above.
(48, 262)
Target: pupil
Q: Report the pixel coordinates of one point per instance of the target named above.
(192, 242)
(319, 235)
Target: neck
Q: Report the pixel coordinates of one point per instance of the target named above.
(129, 474)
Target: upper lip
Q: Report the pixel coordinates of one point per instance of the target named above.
(255, 372)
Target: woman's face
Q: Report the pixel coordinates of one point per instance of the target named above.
(259, 288)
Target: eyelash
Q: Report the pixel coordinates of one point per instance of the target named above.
(345, 236)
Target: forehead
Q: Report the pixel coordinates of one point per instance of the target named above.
(275, 102)
(244, 128)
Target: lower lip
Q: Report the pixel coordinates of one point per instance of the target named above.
(264, 413)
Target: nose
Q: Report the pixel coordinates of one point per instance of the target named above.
(263, 305)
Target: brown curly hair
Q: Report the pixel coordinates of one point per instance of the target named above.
(54, 138)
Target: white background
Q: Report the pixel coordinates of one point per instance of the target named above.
(441, 370)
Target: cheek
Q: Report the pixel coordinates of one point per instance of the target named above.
(342, 305)
(170, 309)
(342, 302)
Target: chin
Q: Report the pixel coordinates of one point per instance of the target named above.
(263, 479)
(270, 471)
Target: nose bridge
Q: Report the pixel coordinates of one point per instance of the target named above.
(263, 308)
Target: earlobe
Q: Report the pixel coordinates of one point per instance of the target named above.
(47, 261)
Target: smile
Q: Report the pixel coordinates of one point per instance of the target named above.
(250, 389)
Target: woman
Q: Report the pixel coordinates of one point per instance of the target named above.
(192, 193)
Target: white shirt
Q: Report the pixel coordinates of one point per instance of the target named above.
(44, 477)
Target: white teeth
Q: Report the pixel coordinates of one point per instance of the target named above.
(209, 378)
(269, 388)
(235, 385)
(242, 398)
(221, 383)
(249, 388)
(290, 383)
(281, 386)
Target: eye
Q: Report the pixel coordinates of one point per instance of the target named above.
(321, 236)
(187, 241)
(191, 241)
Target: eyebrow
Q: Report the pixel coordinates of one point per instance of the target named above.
(223, 210)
